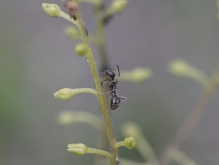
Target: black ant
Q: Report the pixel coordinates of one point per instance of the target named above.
(116, 99)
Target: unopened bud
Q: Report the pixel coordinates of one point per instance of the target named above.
(118, 5)
(67, 93)
(130, 143)
(51, 9)
(64, 94)
(178, 68)
(81, 49)
(78, 149)
(72, 32)
(66, 118)
(140, 74)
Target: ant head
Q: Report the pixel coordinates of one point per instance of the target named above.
(109, 73)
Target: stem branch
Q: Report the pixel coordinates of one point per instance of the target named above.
(100, 92)
(190, 122)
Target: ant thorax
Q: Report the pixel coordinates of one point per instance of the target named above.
(112, 84)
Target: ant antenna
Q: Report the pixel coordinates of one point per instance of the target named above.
(118, 71)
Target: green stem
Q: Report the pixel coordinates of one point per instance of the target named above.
(99, 152)
(101, 38)
(66, 16)
(69, 117)
(182, 158)
(144, 147)
(188, 125)
(100, 92)
(130, 162)
(101, 43)
(198, 76)
(146, 150)
(119, 144)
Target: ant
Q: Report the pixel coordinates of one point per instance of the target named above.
(116, 98)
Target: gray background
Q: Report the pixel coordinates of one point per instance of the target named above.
(37, 59)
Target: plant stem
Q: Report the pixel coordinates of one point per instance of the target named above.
(130, 162)
(182, 158)
(101, 40)
(100, 92)
(99, 152)
(119, 144)
(143, 147)
(187, 126)
(100, 43)
(146, 150)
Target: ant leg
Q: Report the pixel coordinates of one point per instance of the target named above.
(118, 71)
(122, 97)
(111, 91)
(118, 74)
(108, 80)
(105, 81)
(114, 82)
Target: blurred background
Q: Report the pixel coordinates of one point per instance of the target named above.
(37, 59)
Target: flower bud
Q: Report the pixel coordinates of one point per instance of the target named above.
(140, 75)
(67, 93)
(65, 118)
(118, 5)
(64, 94)
(51, 9)
(130, 143)
(72, 32)
(178, 68)
(81, 49)
(78, 149)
